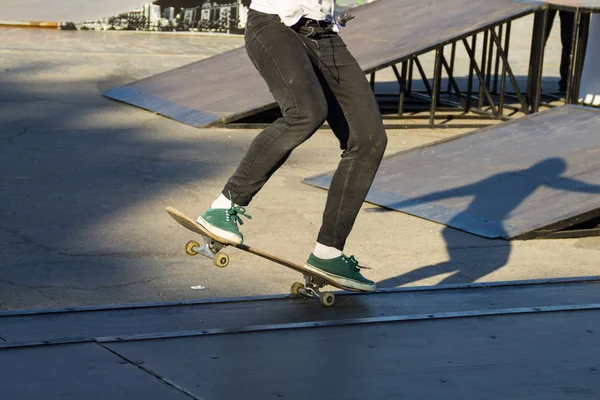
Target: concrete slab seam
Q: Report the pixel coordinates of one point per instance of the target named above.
(150, 372)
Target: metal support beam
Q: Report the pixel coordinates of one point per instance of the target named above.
(437, 76)
(482, 86)
(509, 71)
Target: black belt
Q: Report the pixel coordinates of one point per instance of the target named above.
(308, 21)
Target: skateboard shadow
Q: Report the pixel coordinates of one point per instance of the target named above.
(469, 263)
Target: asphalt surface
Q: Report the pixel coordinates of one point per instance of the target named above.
(84, 182)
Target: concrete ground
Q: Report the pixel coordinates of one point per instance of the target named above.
(84, 182)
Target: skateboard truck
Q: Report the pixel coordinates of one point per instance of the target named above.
(211, 249)
(311, 288)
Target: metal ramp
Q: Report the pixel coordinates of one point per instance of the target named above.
(226, 88)
(424, 342)
(534, 177)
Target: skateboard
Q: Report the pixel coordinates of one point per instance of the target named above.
(213, 246)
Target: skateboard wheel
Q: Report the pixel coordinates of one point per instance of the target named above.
(296, 288)
(189, 247)
(327, 299)
(221, 260)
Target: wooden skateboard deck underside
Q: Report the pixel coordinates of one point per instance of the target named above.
(194, 226)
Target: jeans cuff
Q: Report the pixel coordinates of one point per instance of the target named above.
(331, 241)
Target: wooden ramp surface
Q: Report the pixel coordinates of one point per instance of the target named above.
(227, 87)
(514, 180)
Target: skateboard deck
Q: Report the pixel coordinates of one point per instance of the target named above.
(213, 247)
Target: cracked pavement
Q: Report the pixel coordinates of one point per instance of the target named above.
(84, 182)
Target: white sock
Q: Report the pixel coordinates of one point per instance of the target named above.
(326, 252)
(221, 202)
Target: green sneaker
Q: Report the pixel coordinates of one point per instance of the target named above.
(344, 270)
(223, 222)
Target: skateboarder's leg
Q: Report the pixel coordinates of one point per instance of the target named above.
(281, 59)
(356, 120)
